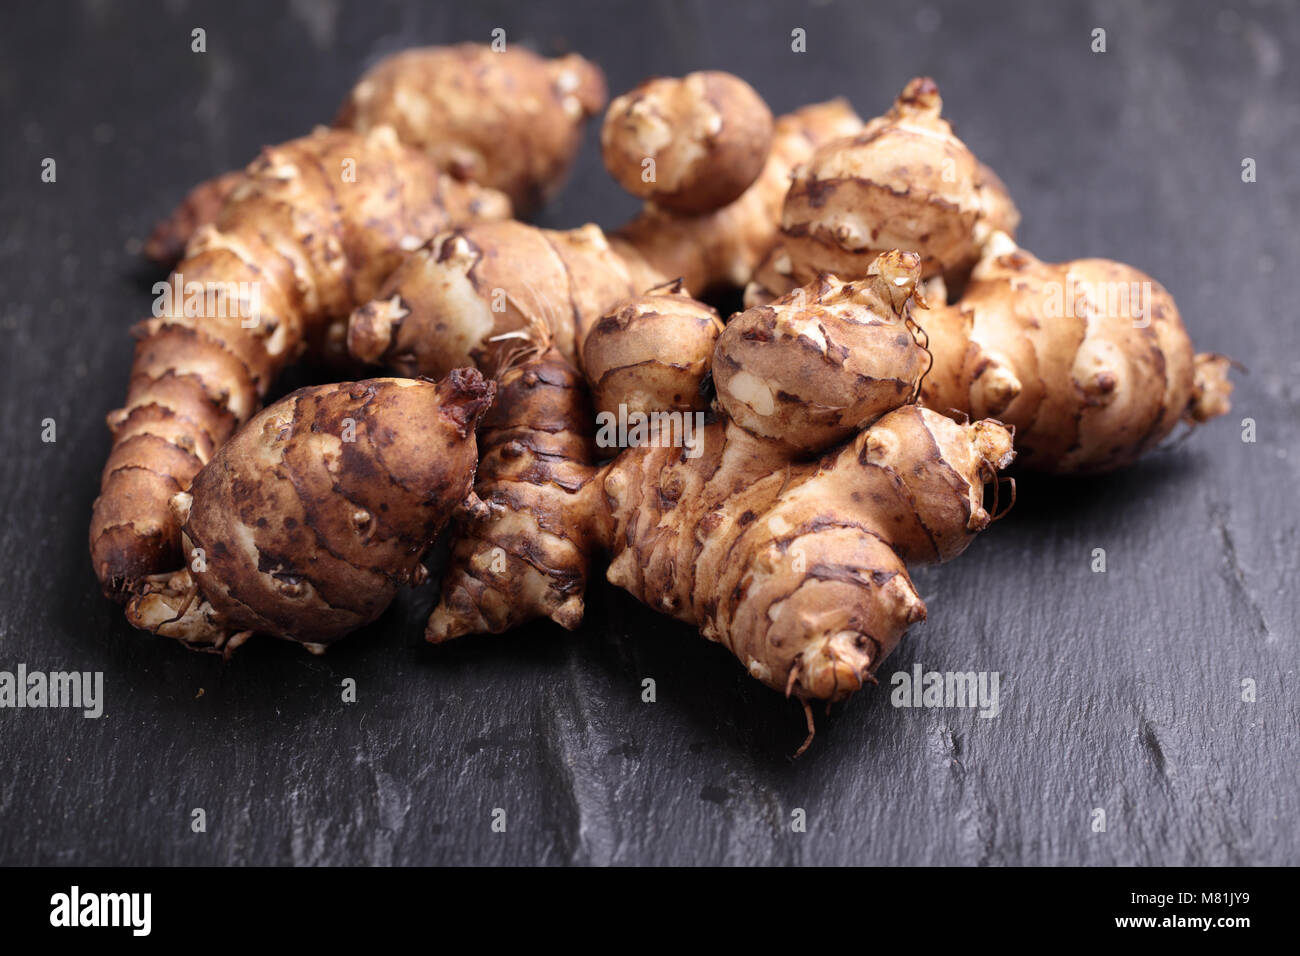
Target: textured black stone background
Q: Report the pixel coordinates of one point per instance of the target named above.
(1119, 690)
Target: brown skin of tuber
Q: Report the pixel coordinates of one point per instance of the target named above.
(1088, 360)
(507, 120)
(815, 366)
(166, 244)
(306, 523)
(707, 135)
(652, 353)
(903, 182)
(799, 569)
(527, 555)
(481, 294)
(312, 245)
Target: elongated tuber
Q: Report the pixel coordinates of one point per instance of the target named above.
(1088, 360)
(306, 523)
(799, 570)
(528, 553)
(505, 119)
(314, 227)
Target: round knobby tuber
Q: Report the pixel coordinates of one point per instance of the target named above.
(305, 524)
(652, 353)
(692, 144)
(827, 359)
(904, 182)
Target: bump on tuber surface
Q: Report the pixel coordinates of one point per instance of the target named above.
(652, 353)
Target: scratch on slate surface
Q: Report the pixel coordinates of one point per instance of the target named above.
(1218, 515)
(1152, 744)
(593, 838)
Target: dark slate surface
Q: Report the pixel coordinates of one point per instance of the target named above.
(1120, 691)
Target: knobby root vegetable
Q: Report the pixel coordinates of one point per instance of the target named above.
(812, 368)
(480, 294)
(528, 554)
(308, 521)
(506, 119)
(691, 144)
(903, 182)
(313, 228)
(652, 353)
(795, 564)
(1088, 360)
(799, 569)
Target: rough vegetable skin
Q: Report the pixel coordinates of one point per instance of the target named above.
(794, 562)
(508, 120)
(306, 523)
(813, 367)
(652, 353)
(723, 247)
(528, 553)
(904, 181)
(480, 294)
(1088, 360)
(707, 135)
(313, 244)
(799, 570)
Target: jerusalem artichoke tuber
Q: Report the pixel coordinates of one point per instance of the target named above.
(904, 181)
(306, 523)
(505, 119)
(1088, 360)
(652, 353)
(815, 366)
(692, 144)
